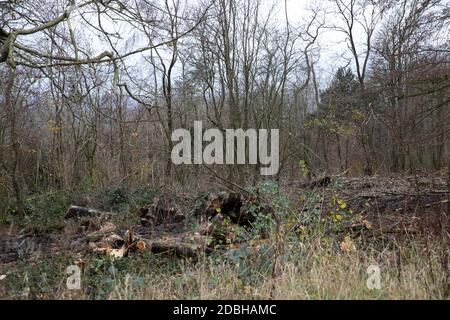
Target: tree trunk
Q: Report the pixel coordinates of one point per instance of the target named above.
(16, 167)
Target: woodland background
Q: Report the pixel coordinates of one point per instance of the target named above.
(385, 107)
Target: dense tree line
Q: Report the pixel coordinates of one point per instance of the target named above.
(91, 90)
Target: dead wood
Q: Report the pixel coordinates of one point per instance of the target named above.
(25, 246)
(320, 183)
(164, 209)
(177, 249)
(240, 209)
(81, 212)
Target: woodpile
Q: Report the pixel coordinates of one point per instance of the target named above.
(81, 212)
(163, 210)
(405, 205)
(159, 229)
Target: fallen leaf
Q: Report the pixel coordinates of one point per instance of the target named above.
(3, 276)
(347, 245)
(367, 224)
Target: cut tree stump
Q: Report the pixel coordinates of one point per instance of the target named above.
(164, 209)
(240, 209)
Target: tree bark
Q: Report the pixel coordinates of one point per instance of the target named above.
(448, 190)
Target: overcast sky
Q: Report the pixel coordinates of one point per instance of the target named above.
(331, 42)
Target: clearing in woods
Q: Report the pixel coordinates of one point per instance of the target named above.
(182, 244)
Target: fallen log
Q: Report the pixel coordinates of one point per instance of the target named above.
(81, 212)
(187, 244)
(25, 246)
(219, 214)
(320, 183)
(178, 249)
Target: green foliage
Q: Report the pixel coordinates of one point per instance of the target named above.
(142, 196)
(269, 188)
(303, 168)
(36, 280)
(271, 209)
(46, 212)
(251, 263)
(263, 224)
(86, 186)
(105, 275)
(338, 183)
(310, 214)
(113, 199)
(338, 97)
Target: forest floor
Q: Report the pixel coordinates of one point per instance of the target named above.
(297, 240)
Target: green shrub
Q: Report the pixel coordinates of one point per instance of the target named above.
(46, 212)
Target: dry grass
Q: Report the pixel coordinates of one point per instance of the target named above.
(314, 262)
(309, 271)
